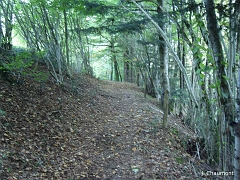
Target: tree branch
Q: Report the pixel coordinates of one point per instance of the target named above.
(164, 36)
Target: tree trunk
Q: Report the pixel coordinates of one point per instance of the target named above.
(219, 59)
(1, 30)
(237, 134)
(223, 90)
(237, 143)
(116, 72)
(236, 163)
(127, 67)
(6, 40)
(163, 65)
(126, 71)
(66, 40)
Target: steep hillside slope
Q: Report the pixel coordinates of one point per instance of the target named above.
(87, 129)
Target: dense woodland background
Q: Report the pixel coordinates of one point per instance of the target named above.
(183, 52)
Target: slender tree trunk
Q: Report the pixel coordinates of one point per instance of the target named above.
(138, 79)
(116, 72)
(66, 40)
(126, 66)
(1, 30)
(59, 56)
(181, 55)
(111, 73)
(164, 65)
(6, 39)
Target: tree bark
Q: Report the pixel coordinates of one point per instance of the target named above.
(163, 65)
(219, 59)
(127, 67)
(114, 60)
(236, 163)
(223, 90)
(66, 40)
(237, 135)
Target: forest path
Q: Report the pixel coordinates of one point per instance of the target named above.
(137, 147)
(90, 130)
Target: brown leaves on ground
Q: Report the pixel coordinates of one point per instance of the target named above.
(85, 130)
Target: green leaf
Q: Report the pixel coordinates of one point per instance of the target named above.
(201, 75)
(208, 68)
(201, 65)
(195, 49)
(226, 78)
(198, 71)
(200, 83)
(225, 63)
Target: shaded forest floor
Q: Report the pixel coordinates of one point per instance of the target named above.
(88, 129)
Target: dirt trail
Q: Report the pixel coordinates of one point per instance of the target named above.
(146, 152)
(99, 130)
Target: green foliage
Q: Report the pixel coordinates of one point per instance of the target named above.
(40, 76)
(215, 85)
(174, 131)
(225, 63)
(198, 50)
(21, 59)
(16, 65)
(179, 160)
(19, 65)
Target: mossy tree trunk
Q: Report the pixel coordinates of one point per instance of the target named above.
(224, 93)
